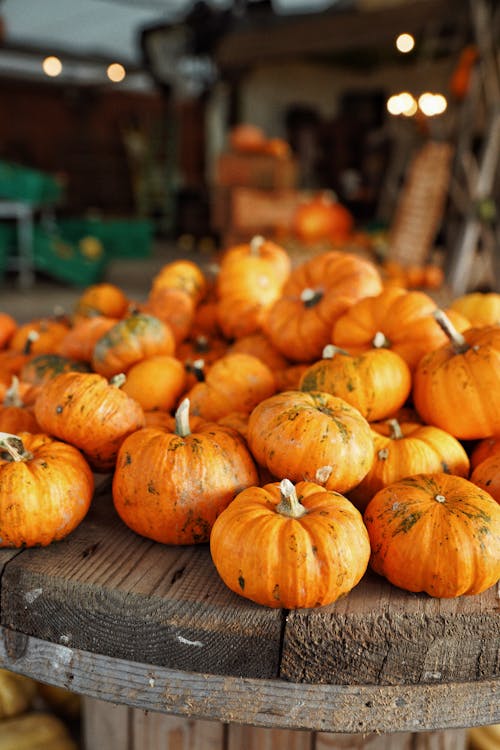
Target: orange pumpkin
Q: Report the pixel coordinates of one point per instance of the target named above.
(7, 327)
(377, 383)
(156, 382)
(292, 547)
(484, 449)
(80, 340)
(486, 475)
(15, 416)
(406, 448)
(436, 533)
(54, 500)
(41, 336)
(171, 487)
(85, 410)
(457, 387)
(103, 299)
(42, 367)
(258, 345)
(481, 309)
(322, 217)
(184, 275)
(175, 307)
(131, 340)
(247, 138)
(313, 436)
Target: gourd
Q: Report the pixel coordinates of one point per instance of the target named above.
(286, 546)
(436, 533)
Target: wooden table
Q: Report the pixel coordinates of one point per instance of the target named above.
(121, 619)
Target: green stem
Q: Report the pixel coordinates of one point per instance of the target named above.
(311, 297)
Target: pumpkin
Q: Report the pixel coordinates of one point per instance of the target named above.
(322, 217)
(286, 546)
(84, 409)
(170, 487)
(406, 448)
(480, 308)
(7, 328)
(437, 533)
(184, 275)
(46, 487)
(42, 367)
(457, 386)
(289, 378)
(103, 299)
(235, 382)
(247, 138)
(132, 339)
(486, 475)
(313, 436)
(39, 336)
(394, 319)
(175, 307)
(484, 449)
(156, 382)
(318, 291)
(35, 731)
(259, 346)
(377, 382)
(80, 340)
(250, 280)
(16, 694)
(14, 415)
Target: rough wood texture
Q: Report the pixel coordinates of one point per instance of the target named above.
(106, 589)
(453, 739)
(244, 737)
(380, 634)
(269, 703)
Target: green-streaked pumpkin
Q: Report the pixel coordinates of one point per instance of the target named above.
(436, 533)
(313, 436)
(282, 546)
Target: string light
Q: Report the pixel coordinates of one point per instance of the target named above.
(405, 43)
(116, 72)
(52, 66)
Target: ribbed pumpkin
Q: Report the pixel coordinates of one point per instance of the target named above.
(80, 340)
(46, 487)
(39, 336)
(457, 387)
(484, 449)
(43, 367)
(235, 382)
(377, 382)
(15, 417)
(322, 217)
(129, 341)
(250, 280)
(313, 436)
(184, 275)
(480, 308)
(174, 306)
(171, 487)
(286, 546)
(395, 319)
(84, 409)
(436, 533)
(103, 299)
(487, 476)
(318, 291)
(406, 448)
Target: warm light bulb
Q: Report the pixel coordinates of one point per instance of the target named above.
(394, 105)
(52, 66)
(432, 104)
(116, 72)
(405, 43)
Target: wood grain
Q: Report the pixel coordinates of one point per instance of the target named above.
(380, 634)
(106, 589)
(271, 703)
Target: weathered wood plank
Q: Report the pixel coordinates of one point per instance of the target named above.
(380, 634)
(262, 738)
(260, 702)
(108, 590)
(451, 739)
(105, 725)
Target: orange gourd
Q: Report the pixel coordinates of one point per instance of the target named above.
(486, 475)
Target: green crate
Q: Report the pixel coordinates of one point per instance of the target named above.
(121, 238)
(7, 244)
(19, 183)
(79, 262)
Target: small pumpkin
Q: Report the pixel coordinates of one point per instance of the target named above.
(322, 217)
(15, 416)
(89, 412)
(36, 730)
(480, 308)
(182, 274)
(156, 382)
(103, 299)
(487, 476)
(7, 328)
(171, 487)
(46, 488)
(39, 336)
(313, 436)
(42, 367)
(377, 382)
(406, 448)
(484, 449)
(286, 546)
(175, 307)
(80, 340)
(436, 533)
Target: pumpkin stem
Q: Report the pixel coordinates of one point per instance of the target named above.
(440, 498)
(12, 397)
(395, 428)
(289, 504)
(458, 342)
(255, 244)
(118, 380)
(311, 297)
(30, 340)
(13, 445)
(331, 350)
(182, 419)
(380, 341)
(201, 344)
(198, 370)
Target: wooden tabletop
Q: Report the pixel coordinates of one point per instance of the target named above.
(113, 615)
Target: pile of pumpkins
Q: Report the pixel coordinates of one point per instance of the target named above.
(34, 715)
(304, 421)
